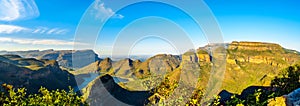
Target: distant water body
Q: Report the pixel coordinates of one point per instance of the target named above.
(133, 57)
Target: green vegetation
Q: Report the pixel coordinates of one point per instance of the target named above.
(258, 98)
(18, 97)
(254, 66)
(33, 67)
(285, 83)
(288, 81)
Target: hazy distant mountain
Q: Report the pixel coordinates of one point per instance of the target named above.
(64, 58)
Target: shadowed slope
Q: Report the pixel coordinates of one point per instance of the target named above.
(103, 91)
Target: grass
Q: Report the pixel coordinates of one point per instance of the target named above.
(34, 67)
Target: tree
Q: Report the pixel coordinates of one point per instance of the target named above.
(17, 97)
(288, 81)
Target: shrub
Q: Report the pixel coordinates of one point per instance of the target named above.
(18, 97)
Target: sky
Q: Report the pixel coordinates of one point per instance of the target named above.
(144, 27)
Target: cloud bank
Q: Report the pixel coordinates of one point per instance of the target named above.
(9, 29)
(103, 12)
(49, 31)
(11, 10)
(37, 41)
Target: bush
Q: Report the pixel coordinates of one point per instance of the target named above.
(285, 83)
(288, 81)
(18, 97)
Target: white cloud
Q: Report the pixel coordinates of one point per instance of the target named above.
(37, 41)
(40, 30)
(5, 40)
(61, 31)
(9, 29)
(49, 31)
(103, 12)
(11, 10)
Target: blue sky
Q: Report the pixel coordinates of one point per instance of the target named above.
(52, 24)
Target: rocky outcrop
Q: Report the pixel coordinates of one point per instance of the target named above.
(158, 65)
(204, 57)
(72, 59)
(190, 68)
(105, 65)
(125, 67)
(32, 74)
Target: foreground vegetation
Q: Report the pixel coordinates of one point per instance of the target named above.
(285, 83)
(18, 97)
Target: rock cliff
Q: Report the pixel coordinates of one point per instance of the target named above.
(254, 63)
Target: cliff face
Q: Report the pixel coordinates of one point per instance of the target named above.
(32, 74)
(190, 68)
(256, 52)
(80, 58)
(254, 63)
(257, 46)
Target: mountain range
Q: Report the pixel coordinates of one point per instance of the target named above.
(247, 64)
(63, 57)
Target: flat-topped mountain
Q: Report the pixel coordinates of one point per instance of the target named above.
(63, 57)
(258, 46)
